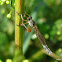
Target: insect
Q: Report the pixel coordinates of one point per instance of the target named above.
(36, 30)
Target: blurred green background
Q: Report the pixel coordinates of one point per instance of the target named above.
(48, 16)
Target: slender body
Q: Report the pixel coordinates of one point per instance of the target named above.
(38, 34)
(41, 39)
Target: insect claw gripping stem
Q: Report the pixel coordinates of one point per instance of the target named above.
(23, 24)
(18, 14)
(21, 18)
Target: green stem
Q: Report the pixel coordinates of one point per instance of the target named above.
(39, 55)
(19, 7)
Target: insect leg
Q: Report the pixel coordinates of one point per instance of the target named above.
(18, 13)
(23, 24)
(24, 20)
(29, 30)
(26, 14)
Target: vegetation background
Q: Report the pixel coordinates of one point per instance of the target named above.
(48, 16)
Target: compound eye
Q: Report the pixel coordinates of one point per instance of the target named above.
(29, 18)
(33, 24)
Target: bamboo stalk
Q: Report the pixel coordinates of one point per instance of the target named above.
(19, 7)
